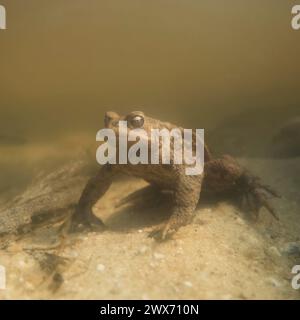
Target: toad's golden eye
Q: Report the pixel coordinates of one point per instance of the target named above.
(137, 121)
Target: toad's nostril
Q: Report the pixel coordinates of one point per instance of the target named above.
(109, 116)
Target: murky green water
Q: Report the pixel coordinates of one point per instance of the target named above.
(63, 63)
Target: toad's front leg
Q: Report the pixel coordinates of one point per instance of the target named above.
(93, 191)
(185, 199)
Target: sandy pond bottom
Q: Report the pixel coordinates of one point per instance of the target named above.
(221, 255)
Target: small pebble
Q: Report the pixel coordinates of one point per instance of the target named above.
(158, 256)
(180, 250)
(188, 284)
(143, 249)
(100, 267)
(153, 264)
(22, 263)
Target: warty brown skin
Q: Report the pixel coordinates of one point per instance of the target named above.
(221, 176)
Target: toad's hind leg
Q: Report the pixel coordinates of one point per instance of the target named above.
(226, 176)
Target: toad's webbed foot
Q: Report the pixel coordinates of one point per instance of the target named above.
(255, 195)
(157, 234)
(167, 230)
(86, 220)
(226, 176)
